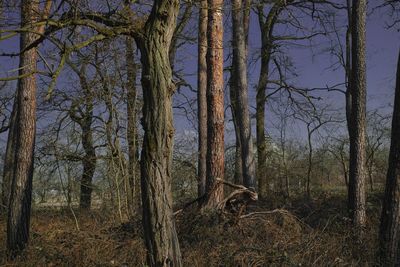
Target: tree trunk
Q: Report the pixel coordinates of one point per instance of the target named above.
(309, 167)
(238, 175)
(344, 168)
(284, 161)
(357, 137)
(370, 168)
(240, 20)
(238, 168)
(202, 98)
(348, 67)
(85, 119)
(266, 28)
(24, 134)
(133, 188)
(390, 218)
(215, 108)
(156, 157)
(89, 166)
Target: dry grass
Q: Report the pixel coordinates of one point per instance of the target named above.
(302, 232)
(55, 241)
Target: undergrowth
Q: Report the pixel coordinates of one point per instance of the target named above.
(299, 232)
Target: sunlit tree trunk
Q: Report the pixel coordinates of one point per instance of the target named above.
(215, 108)
(156, 157)
(390, 218)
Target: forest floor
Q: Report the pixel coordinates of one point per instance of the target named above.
(302, 232)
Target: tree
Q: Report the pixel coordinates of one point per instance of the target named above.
(4, 126)
(240, 22)
(158, 220)
(313, 120)
(81, 112)
(22, 131)
(357, 172)
(215, 109)
(390, 219)
(266, 24)
(202, 98)
(377, 128)
(9, 158)
(338, 147)
(347, 66)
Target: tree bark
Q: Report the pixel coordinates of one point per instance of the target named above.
(357, 137)
(24, 133)
(156, 157)
(390, 218)
(215, 108)
(240, 20)
(202, 98)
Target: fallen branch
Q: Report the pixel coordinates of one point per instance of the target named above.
(281, 211)
(238, 200)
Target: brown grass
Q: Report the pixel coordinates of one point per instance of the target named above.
(55, 241)
(301, 232)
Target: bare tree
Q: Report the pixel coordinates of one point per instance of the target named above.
(338, 147)
(266, 23)
(377, 127)
(313, 120)
(81, 112)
